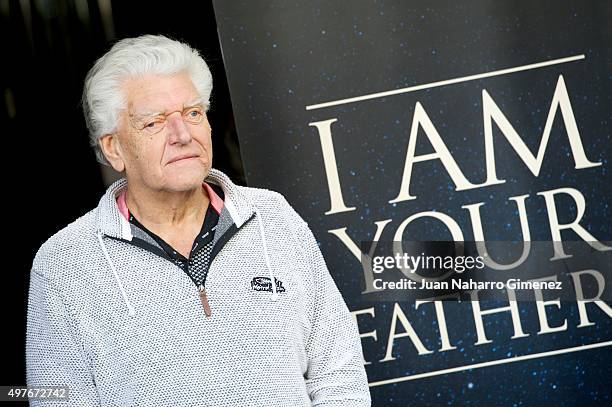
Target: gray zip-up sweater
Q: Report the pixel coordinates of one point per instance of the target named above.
(122, 326)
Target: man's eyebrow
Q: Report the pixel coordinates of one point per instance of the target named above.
(146, 113)
(192, 103)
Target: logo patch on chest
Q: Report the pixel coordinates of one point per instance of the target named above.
(263, 284)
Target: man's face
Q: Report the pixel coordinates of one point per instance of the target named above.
(179, 156)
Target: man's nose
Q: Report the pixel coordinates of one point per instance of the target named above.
(177, 129)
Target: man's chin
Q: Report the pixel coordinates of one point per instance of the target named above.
(186, 181)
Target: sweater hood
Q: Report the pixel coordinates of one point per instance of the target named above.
(110, 222)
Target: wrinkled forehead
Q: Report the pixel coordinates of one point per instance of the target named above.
(158, 94)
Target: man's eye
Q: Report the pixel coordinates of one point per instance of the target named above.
(152, 125)
(194, 114)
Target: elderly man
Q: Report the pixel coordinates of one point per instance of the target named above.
(182, 288)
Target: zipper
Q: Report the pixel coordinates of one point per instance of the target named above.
(204, 300)
(216, 249)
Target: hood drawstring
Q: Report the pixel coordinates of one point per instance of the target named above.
(131, 310)
(274, 295)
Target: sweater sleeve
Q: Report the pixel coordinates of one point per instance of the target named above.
(54, 356)
(335, 374)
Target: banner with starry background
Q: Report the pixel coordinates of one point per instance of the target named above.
(365, 113)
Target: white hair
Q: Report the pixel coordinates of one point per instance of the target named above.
(103, 97)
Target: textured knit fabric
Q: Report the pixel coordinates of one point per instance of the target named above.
(122, 326)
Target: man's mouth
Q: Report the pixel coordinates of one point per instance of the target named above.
(182, 157)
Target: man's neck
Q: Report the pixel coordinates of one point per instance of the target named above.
(164, 210)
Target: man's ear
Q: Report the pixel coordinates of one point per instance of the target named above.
(109, 143)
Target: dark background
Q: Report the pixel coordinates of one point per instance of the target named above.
(51, 174)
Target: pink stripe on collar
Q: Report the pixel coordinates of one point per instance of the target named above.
(122, 205)
(215, 200)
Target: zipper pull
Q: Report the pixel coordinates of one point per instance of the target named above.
(204, 300)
